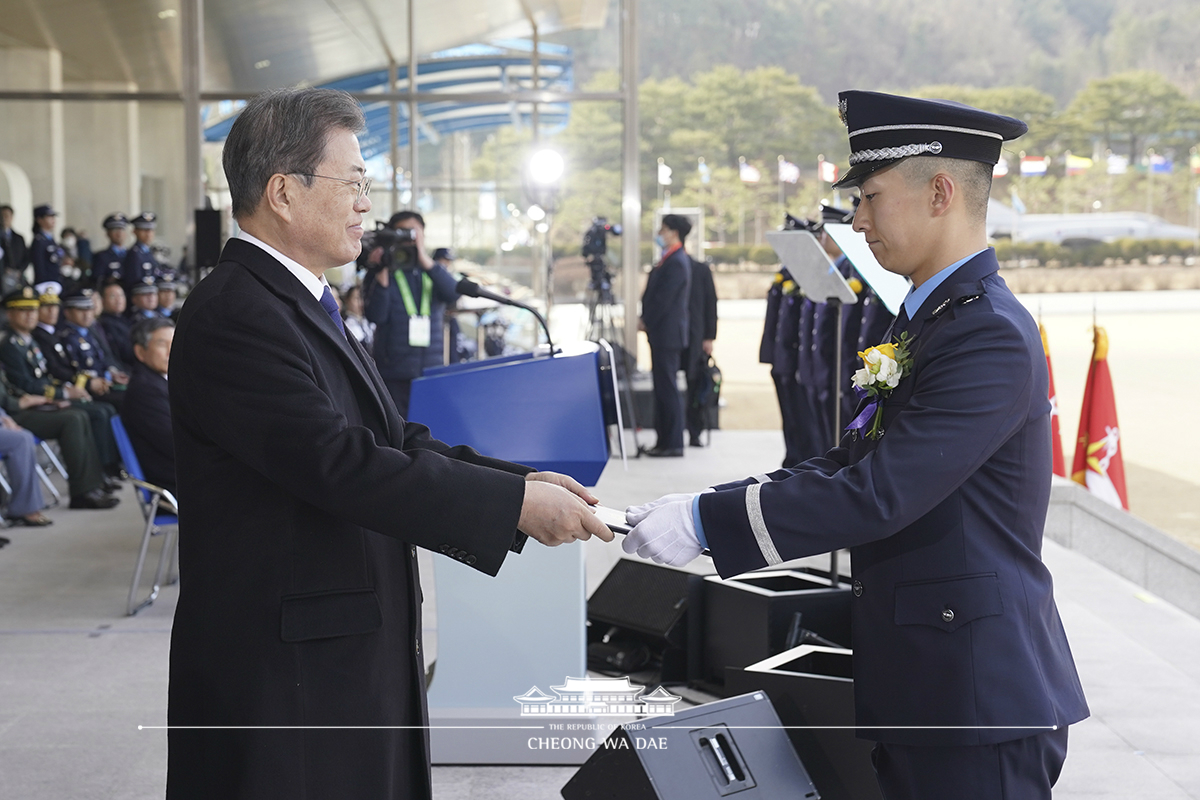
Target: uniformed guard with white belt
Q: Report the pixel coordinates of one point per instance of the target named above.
(962, 672)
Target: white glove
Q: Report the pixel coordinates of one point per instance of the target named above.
(635, 514)
(666, 535)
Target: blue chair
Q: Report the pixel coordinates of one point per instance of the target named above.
(150, 498)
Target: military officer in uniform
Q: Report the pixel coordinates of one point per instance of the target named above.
(167, 293)
(49, 307)
(47, 255)
(962, 672)
(110, 262)
(143, 300)
(29, 371)
(140, 262)
(83, 351)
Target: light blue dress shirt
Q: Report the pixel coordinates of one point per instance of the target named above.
(918, 295)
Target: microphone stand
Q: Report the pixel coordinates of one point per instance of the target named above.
(470, 288)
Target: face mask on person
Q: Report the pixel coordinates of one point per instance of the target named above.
(660, 241)
(69, 242)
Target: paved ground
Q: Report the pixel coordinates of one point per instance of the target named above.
(77, 678)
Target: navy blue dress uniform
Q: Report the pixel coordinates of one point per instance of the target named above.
(702, 319)
(146, 286)
(82, 349)
(954, 621)
(46, 335)
(794, 407)
(400, 362)
(29, 372)
(665, 304)
(166, 287)
(44, 252)
(140, 263)
(109, 263)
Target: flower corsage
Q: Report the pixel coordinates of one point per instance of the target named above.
(883, 367)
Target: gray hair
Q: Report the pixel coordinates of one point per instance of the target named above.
(283, 132)
(144, 331)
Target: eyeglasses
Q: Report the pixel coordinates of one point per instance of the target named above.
(363, 187)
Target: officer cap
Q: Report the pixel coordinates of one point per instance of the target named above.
(145, 221)
(834, 214)
(166, 281)
(22, 298)
(443, 254)
(886, 128)
(116, 222)
(79, 297)
(147, 286)
(48, 293)
(44, 211)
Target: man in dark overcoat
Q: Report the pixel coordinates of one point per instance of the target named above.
(664, 318)
(297, 668)
(962, 672)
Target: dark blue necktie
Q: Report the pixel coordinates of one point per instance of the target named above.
(330, 306)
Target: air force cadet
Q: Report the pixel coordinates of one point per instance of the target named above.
(962, 672)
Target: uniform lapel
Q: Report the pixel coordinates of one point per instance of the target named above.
(284, 284)
(966, 281)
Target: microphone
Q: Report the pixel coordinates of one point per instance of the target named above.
(470, 288)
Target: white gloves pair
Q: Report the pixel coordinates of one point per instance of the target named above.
(663, 530)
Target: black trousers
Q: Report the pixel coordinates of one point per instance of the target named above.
(1021, 769)
(668, 402)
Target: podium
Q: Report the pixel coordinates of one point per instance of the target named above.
(526, 627)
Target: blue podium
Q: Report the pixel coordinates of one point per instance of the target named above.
(497, 637)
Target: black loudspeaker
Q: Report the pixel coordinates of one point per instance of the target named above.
(730, 747)
(641, 604)
(812, 691)
(208, 237)
(748, 618)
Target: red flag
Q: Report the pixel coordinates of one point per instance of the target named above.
(1098, 464)
(1060, 463)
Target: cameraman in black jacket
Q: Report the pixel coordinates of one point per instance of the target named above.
(406, 297)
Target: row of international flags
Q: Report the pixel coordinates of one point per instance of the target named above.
(1097, 464)
(1154, 163)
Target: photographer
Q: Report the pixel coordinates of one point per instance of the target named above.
(406, 297)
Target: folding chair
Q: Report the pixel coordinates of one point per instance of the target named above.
(42, 476)
(149, 498)
(55, 464)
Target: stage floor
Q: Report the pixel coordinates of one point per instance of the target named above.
(77, 678)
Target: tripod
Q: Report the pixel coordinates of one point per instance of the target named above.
(603, 328)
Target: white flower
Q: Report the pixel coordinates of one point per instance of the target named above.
(863, 378)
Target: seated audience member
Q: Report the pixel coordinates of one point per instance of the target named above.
(147, 410)
(143, 299)
(357, 325)
(116, 325)
(71, 427)
(167, 294)
(29, 371)
(46, 332)
(20, 458)
(92, 367)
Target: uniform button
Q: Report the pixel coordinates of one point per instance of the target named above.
(857, 588)
(470, 559)
(948, 615)
(418, 647)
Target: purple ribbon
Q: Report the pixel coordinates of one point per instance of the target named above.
(863, 419)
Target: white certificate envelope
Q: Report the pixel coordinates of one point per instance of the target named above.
(890, 287)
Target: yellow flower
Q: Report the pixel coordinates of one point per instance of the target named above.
(888, 350)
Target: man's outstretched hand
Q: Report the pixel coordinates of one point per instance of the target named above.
(557, 509)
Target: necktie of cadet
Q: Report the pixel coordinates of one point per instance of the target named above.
(330, 306)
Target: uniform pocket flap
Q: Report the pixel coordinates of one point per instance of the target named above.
(329, 614)
(949, 603)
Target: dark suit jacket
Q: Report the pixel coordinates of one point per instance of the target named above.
(702, 314)
(665, 302)
(146, 413)
(303, 498)
(954, 621)
(16, 255)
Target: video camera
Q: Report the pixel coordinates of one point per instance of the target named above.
(595, 241)
(399, 245)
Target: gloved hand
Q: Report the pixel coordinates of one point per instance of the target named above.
(635, 514)
(666, 535)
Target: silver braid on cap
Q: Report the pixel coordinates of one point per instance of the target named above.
(886, 153)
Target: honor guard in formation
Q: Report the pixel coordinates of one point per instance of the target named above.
(47, 255)
(110, 262)
(140, 263)
(28, 372)
(963, 676)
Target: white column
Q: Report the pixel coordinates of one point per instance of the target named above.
(58, 150)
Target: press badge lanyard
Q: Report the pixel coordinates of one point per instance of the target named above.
(418, 324)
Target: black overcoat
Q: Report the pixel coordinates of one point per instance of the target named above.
(303, 498)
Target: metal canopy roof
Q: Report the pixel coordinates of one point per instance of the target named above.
(251, 45)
